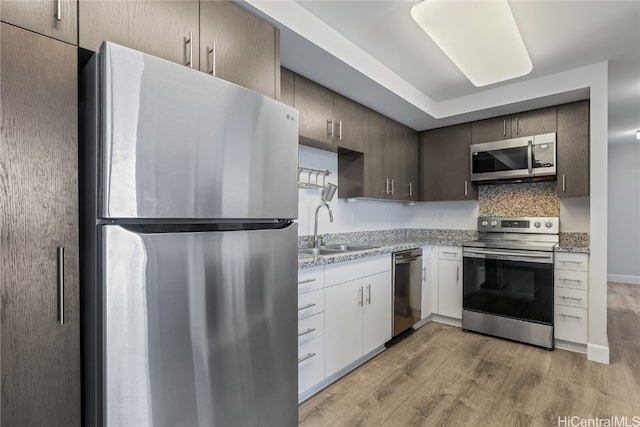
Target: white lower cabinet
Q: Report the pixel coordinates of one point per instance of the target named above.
(310, 328)
(357, 313)
(450, 281)
(426, 306)
(571, 279)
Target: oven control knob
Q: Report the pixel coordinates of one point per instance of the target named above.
(537, 224)
(494, 223)
(484, 223)
(548, 224)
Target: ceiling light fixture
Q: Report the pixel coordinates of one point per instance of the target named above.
(480, 37)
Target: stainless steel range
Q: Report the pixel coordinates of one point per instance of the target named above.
(508, 279)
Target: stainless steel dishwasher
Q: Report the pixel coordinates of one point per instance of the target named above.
(407, 289)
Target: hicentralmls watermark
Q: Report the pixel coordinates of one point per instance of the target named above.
(614, 421)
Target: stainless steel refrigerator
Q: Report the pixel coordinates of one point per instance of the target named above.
(189, 263)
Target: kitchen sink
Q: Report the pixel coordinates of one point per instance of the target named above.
(335, 249)
(320, 251)
(348, 248)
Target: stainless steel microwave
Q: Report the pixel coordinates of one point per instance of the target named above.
(512, 159)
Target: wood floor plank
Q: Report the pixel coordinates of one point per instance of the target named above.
(442, 376)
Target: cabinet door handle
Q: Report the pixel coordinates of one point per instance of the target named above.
(564, 183)
(504, 127)
(59, 10)
(530, 156)
(361, 296)
(308, 331)
(330, 127)
(212, 51)
(304, 307)
(189, 41)
(305, 357)
(392, 187)
(340, 130)
(61, 284)
(424, 274)
(466, 189)
(410, 189)
(369, 294)
(517, 131)
(457, 274)
(386, 186)
(302, 282)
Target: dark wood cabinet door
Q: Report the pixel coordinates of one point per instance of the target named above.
(445, 164)
(39, 213)
(573, 149)
(239, 47)
(315, 108)
(167, 29)
(534, 122)
(395, 161)
(495, 129)
(287, 87)
(412, 166)
(54, 18)
(349, 123)
(375, 151)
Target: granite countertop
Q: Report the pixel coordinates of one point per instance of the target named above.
(386, 241)
(574, 242)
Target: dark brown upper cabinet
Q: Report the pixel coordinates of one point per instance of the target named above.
(287, 87)
(444, 160)
(239, 47)
(315, 113)
(528, 123)
(56, 18)
(573, 150)
(166, 29)
(348, 117)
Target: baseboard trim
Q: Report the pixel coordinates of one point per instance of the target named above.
(570, 346)
(598, 353)
(446, 320)
(621, 278)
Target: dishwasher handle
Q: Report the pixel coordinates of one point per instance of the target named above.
(407, 260)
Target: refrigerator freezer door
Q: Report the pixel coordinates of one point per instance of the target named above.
(200, 329)
(178, 143)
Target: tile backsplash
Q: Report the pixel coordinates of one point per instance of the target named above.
(519, 199)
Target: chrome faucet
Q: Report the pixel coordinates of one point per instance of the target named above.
(315, 227)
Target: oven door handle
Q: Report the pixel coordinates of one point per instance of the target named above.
(507, 254)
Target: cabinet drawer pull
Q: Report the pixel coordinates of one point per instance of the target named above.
(304, 307)
(302, 282)
(59, 10)
(573, 298)
(189, 41)
(569, 315)
(307, 356)
(570, 280)
(308, 331)
(450, 253)
(60, 259)
(571, 262)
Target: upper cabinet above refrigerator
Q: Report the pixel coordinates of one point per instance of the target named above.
(178, 143)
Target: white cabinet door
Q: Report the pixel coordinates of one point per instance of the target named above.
(450, 288)
(343, 324)
(427, 271)
(377, 311)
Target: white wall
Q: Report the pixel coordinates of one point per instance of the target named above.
(365, 215)
(624, 213)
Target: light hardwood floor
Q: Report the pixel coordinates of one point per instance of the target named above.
(442, 376)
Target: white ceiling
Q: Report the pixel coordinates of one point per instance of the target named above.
(380, 57)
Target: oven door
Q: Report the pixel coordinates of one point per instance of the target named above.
(514, 284)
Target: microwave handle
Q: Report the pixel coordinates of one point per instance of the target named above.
(530, 156)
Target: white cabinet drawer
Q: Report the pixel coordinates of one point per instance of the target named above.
(310, 303)
(571, 279)
(571, 297)
(570, 324)
(310, 279)
(310, 328)
(351, 270)
(571, 261)
(310, 364)
(450, 253)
